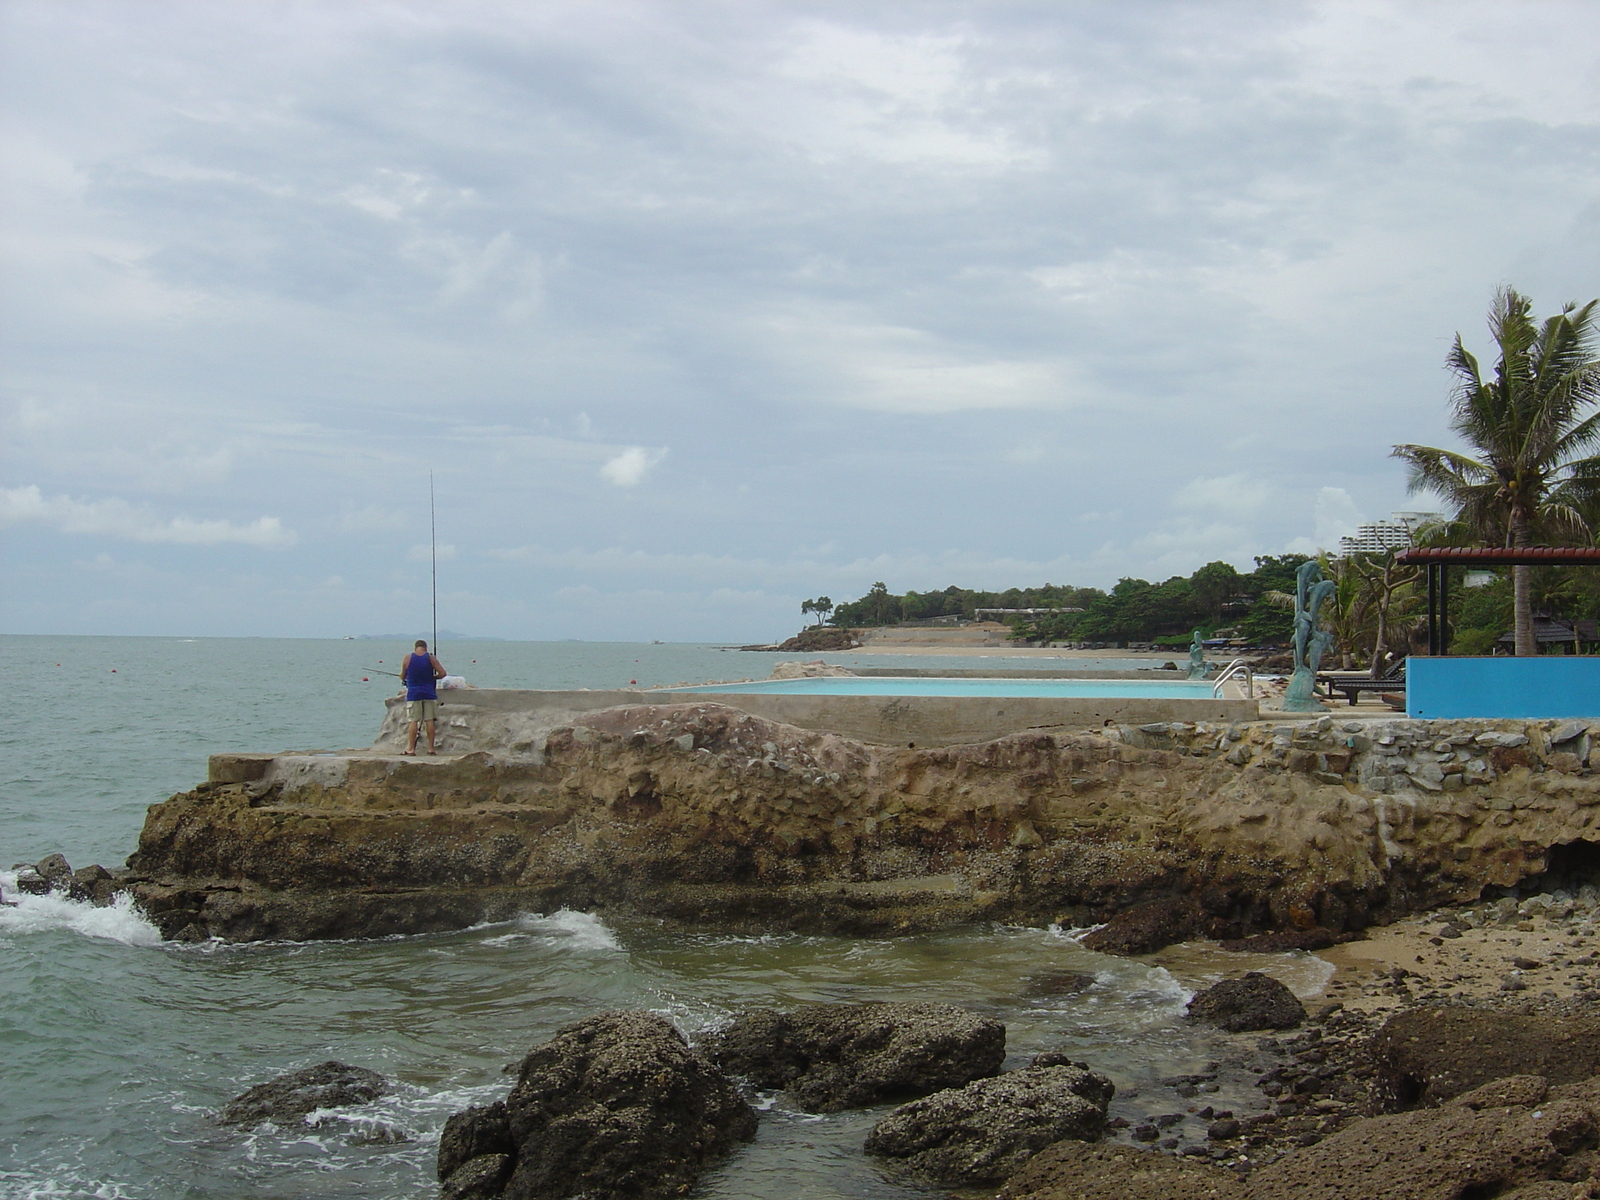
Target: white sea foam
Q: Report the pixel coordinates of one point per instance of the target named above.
(564, 928)
(1073, 933)
(692, 1017)
(121, 921)
(65, 1184)
(1160, 989)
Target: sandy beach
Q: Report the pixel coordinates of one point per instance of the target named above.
(1505, 951)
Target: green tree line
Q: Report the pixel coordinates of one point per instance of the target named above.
(1216, 596)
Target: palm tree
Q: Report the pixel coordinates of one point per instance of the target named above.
(1535, 477)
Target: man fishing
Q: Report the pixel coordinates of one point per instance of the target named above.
(420, 672)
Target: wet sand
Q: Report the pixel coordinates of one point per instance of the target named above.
(1525, 952)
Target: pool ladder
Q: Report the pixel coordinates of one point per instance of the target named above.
(1238, 667)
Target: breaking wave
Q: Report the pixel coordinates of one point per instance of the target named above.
(565, 929)
(121, 921)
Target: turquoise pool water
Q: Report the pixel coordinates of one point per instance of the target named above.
(843, 685)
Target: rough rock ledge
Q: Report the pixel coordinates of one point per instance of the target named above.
(702, 813)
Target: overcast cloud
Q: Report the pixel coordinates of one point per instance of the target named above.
(696, 310)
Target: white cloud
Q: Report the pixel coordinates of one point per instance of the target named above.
(857, 363)
(629, 468)
(983, 294)
(117, 518)
(1336, 516)
(1239, 495)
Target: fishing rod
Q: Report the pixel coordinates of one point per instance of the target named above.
(433, 542)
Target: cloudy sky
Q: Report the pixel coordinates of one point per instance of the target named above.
(697, 310)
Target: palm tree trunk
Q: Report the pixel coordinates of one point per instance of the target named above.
(1522, 592)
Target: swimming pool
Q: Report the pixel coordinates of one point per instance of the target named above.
(847, 685)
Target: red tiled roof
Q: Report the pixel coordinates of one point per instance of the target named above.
(1488, 556)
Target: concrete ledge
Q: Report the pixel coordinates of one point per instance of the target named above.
(885, 720)
(238, 768)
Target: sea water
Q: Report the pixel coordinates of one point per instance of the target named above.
(118, 1049)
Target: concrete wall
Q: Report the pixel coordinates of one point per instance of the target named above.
(923, 720)
(1503, 688)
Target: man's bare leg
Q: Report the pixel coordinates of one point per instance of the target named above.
(432, 726)
(411, 737)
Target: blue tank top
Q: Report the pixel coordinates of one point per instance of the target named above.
(419, 678)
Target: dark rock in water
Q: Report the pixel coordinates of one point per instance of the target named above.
(474, 1133)
(481, 1178)
(836, 1056)
(983, 1132)
(614, 1106)
(31, 883)
(1057, 983)
(287, 1099)
(809, 641)
(1072, 1170)
(56, 870)
(1285, 939)
(1051, 1058)
(1511, 1138)
(89, 883)
(1425, 1056)
(376, 1134)
(1146, 928)
(1255, 1001)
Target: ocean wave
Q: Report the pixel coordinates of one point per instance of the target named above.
(693, 1018)
(120, 921)
(566, 928)
(1073, 933)
(62, 1184)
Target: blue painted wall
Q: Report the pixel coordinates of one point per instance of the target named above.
(1529, 688)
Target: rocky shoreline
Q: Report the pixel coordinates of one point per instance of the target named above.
(1415, 1016)
(1388, 1093)
(1444, 869)
(704, 814)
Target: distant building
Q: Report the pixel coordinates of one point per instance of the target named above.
(1382, 536)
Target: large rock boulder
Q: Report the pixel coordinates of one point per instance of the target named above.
(1071, 1170)
(1425, 1056)
(837, 1056)
(1507, 1138)
(983, 1132)
(1146, 928)
(480, 1132)
(56, 869)
(614, 1106)
(1253, 1001)
(288, 1099)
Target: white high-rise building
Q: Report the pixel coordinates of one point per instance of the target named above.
(1380, 536)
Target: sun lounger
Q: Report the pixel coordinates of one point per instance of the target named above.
(1351, 686)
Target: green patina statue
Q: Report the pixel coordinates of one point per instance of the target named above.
(1310, 642)
(1199, 668)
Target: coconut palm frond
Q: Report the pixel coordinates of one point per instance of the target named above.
(1535, 431)
(1430, 469)
(1585, 435)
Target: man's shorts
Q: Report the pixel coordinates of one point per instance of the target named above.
(422, 710)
